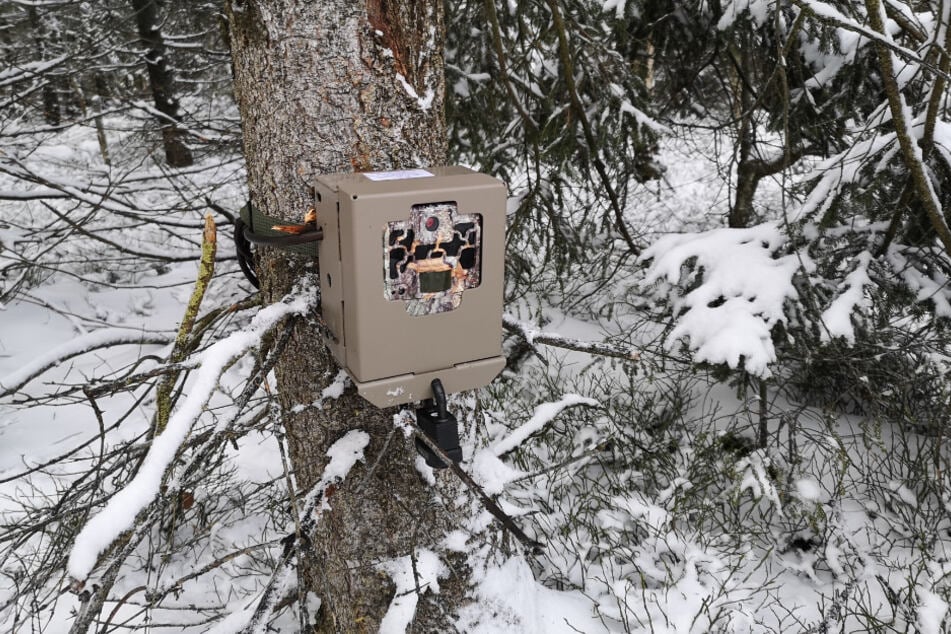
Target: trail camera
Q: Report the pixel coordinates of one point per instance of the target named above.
(411, 267)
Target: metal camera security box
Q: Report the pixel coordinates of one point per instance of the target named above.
(411, 267)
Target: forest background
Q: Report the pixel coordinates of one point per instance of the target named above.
(727, 311)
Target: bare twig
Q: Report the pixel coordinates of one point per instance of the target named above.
(488, 503)
(600, 349)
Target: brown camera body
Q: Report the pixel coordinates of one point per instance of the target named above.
(412, 272)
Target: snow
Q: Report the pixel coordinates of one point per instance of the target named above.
(491, 473)
(617, 6)
(455, 541)
(755, 479)
(743, 287)
(425, 102)
(345, 453)
(639, 508)
(837, 318)
(335, 390)
(122, 508)
(413, 576)
(510, 602)
(932, 611)
(808, 489)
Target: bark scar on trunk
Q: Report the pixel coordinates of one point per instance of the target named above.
(384, 19)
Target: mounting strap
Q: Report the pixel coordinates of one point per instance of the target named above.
(257, 229)
(254, 227)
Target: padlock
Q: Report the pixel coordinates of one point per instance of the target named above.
(440, 426)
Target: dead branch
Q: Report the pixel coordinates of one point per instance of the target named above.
(533, 336)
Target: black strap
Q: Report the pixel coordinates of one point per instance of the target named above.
(253, 227)
(258, 230)
(243, 249)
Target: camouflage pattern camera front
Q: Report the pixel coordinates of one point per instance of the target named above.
(432, 258)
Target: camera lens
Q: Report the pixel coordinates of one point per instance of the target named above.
(432, 223)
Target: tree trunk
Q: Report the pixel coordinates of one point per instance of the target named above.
(748, 175)
(326, 87)
(50, 99)
(160, 80)
(741, 212)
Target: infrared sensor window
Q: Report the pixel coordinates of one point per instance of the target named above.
(432, 258)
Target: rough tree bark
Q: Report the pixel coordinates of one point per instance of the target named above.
(160, 80)
(325, 87)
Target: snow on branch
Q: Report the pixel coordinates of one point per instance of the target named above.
(738, 288)
(843, 169)
(826, 13)
(119, 513)
(935, 287)
(413, 575)
(95, 340)
(544, 414)
(758, 9)
(533, 336)
(491, 473)
(31, 70)
(837, 318)
(254, 618)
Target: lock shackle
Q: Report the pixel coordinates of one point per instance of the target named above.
(439, 396)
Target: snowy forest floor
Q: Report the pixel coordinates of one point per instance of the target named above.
(659, 508)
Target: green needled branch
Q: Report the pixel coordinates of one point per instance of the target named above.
(206, 268)
(564, 50)
(914, 158)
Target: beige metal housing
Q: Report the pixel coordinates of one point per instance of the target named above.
(391, 353)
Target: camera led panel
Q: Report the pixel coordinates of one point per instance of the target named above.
(432, 258)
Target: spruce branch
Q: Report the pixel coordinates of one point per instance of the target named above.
(564, 52)
(912, 153)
